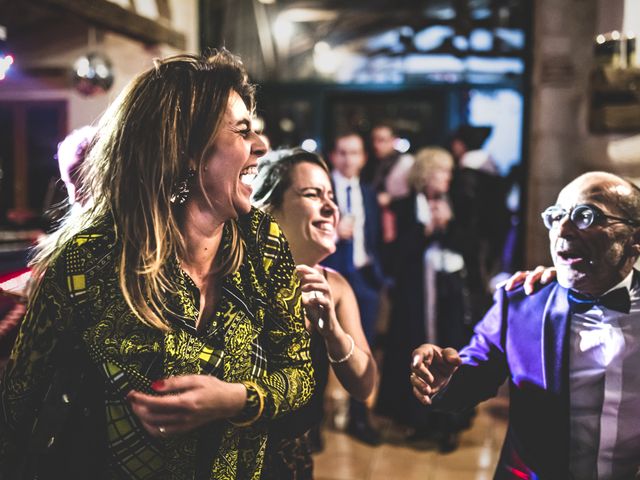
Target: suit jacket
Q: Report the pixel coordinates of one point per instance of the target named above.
(523, 339)
(342, 259)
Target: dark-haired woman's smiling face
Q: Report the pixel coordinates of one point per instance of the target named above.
(308, 214)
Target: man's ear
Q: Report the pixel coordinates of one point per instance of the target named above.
(635, 243)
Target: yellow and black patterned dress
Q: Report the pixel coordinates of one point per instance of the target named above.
(256, 336)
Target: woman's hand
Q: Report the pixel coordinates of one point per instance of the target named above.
(187, 403)
(317, 300)
(531, 279)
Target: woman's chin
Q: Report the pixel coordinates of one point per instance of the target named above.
(242, 208)
(327, 249)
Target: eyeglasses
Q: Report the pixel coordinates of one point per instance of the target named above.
(582, 216)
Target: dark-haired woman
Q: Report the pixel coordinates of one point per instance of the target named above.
(295, 187)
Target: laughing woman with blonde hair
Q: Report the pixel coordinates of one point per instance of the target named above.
(167, 311)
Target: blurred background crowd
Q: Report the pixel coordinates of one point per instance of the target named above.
(447, 124)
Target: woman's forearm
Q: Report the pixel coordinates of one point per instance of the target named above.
(358, 372)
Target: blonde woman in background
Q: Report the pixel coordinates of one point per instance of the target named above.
(428, 293)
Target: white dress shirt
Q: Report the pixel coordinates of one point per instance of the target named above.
(360, 257)
(604, 395)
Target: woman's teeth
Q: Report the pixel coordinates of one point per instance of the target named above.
(248, 178)
(326, 227)
(248, 175)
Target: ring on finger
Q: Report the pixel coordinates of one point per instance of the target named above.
(162, 430)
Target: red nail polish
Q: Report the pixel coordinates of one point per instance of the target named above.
(158, 385)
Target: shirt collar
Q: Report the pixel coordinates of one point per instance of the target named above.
(342, 182)
(625, 283)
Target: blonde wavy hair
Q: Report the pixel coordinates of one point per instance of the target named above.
(427, 160)
(162, 125)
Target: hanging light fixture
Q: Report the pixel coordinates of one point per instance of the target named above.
(6, 59)
(92, 72)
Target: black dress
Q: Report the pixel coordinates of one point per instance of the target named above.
(408, 329)
(482, 222)
(291, 438)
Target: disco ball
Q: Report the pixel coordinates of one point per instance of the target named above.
(92, 74)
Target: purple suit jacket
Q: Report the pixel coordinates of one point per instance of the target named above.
(523, 339)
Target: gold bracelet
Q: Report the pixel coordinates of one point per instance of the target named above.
(253, 390)
(347, 356)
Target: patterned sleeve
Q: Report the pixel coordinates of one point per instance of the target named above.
(25, 377)
(289, 382)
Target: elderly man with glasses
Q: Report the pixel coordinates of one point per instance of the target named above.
(570, 351)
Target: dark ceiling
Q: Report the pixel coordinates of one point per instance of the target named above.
(353, 24)
(355, 20)
(250, 27)
(33, 23)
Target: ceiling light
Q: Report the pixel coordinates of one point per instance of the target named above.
(6, 59)
(402, 145)
(92, 74)
(287, 125)
(481, 39)
(309, 15)
(257, 124)
(326, 60)
(283, 28)
(5, 65)
(310, 145)
(461, 42)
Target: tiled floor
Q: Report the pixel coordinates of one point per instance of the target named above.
(346, 459)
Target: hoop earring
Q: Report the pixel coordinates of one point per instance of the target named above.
(181, 189)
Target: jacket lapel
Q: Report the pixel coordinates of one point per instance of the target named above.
(555, 341)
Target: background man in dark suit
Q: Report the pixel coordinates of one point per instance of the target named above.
(356, 256)
(570, 351)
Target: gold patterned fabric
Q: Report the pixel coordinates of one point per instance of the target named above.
(256, 335)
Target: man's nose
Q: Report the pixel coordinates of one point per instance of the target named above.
(565, 227)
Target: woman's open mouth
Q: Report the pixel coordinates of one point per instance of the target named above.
(248, 175)
(325, 226)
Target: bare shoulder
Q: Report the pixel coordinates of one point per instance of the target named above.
(339, 285)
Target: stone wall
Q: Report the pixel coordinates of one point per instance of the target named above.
(561, 146)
